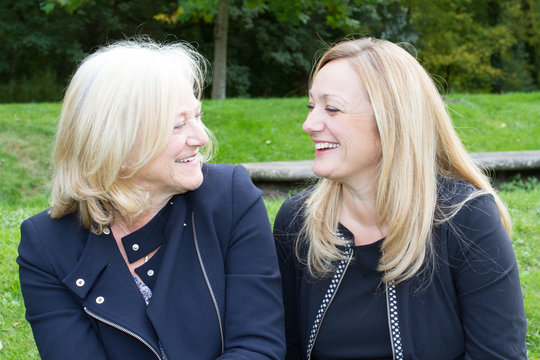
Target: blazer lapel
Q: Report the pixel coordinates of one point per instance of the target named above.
(181, 307)
(107, 289)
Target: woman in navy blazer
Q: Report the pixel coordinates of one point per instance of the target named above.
(401, 250)
(146, 253)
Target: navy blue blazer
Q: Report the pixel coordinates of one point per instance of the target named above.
(468, 306)
(217, 295)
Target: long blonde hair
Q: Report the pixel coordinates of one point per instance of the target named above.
(418, 143)
(117, 116)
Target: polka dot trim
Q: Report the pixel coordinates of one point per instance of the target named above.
(334, 284)
(391, 296)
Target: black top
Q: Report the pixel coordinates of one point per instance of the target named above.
(358, 334)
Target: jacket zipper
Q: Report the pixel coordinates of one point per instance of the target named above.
(99, 318)
(208, 282)
(329, 303)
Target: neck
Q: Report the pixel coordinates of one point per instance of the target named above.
(143, 219)
(358, 213)
(359, 203)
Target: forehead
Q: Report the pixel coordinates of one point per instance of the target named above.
(188, 103)
(337, 78)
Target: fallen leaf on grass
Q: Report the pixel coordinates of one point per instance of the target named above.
(15, 324)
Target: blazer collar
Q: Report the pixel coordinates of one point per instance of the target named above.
(106, 288)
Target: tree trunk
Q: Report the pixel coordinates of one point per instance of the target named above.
(221, 25)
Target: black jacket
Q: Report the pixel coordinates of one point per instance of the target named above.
(217, 294)
(470, 308)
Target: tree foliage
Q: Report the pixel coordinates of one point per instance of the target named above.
(474, 45)
(470, 45)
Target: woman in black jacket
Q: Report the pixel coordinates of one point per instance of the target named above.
(146, 253)
(401, 250)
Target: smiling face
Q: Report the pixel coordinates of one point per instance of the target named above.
(342, 125)
(177, 169)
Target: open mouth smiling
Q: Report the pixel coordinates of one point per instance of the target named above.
(325, 146)
(188, 159)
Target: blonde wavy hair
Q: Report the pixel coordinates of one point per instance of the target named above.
(117, 116)
(419, 144)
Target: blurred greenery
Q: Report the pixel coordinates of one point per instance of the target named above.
(474, 46)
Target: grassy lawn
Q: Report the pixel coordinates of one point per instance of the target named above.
(271, 129)
(16, 336)
(251, 130)
(506, 122)
(523, 202)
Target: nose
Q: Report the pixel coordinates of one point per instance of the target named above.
(314, 122)
(197, 136)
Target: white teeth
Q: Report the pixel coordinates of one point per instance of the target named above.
(320, 146)
(187, 159)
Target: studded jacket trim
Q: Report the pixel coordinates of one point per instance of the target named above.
(393, 321)
(391, 307)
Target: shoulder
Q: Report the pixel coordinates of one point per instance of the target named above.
(216, 171)
(467, 206)
(290, 214)
(57, 241)
(46, 227)
(474, 230)
(466, 203)
(288, 225)
(454, 191)
(227, 190)
(223, 177)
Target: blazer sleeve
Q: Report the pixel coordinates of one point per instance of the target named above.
(60, 326)
(254, 307)
(285, 238)
(487, 283)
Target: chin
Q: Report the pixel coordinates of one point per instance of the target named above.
(196, 186)
(193, 185)
(321, 171)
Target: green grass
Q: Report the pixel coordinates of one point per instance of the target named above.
(26, 138)
(251, 130)
(16, 334)
(487, 122)
(523, 201)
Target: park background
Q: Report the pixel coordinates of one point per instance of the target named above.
(484, 55)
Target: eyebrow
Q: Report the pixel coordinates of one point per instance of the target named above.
(195, 109)
(327, 96)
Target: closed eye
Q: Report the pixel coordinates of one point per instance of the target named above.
(183, 122)
(332, 109)
(180, 125)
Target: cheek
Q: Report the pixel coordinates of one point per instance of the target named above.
(176, 144)
(376, 143)
(373, 132)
